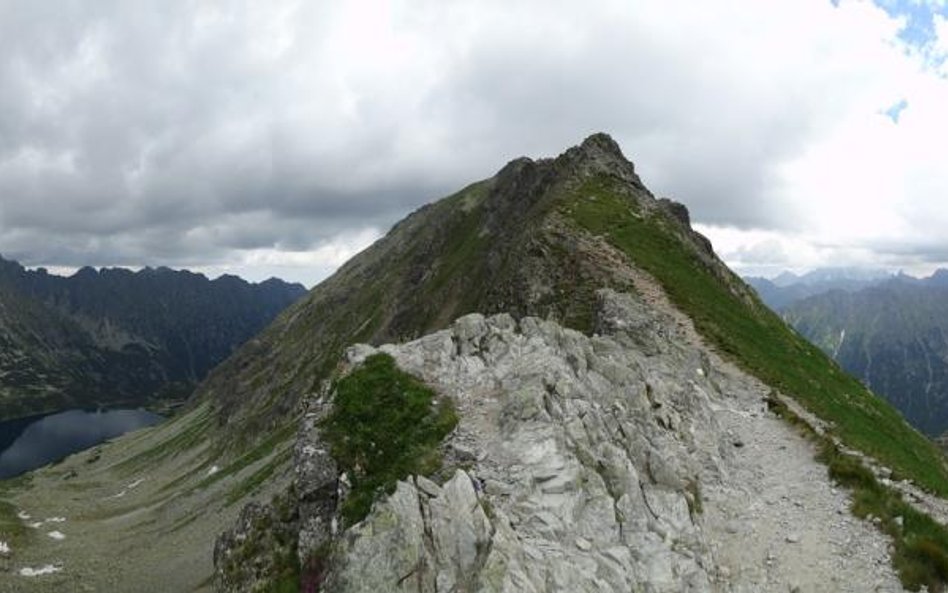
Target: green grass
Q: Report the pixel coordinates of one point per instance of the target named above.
(251, 483)
(271, 544)
(185, 430)
(12, 529)
(753, 336)
(281, 437)
(384, 426)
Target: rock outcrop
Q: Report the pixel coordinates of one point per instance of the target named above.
(578, 464)
(585, 461)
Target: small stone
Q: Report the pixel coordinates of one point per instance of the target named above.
(583, 544)
(793, 538)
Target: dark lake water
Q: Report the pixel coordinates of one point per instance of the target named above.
(29, 443)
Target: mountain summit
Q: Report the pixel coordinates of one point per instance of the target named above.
(538, 241)
(545, 382)
(508, 244)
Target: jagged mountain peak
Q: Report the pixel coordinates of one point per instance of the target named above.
(511, 243)
(599, 153)
(523, 179)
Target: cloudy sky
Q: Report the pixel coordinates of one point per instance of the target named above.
(280, 137)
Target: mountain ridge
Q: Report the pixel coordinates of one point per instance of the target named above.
(436, 265)
(891, 336)
(652, 399)
(560, 229)
(114, 336)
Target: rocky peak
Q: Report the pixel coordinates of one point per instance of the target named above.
(522, 187)
(599, 154)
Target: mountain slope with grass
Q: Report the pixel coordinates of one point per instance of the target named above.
(576, 376)
(539, 239)
(114, 336)
(892, 337)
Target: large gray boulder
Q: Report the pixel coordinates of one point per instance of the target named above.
(578, 463)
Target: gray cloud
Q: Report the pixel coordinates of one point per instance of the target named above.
(179, 133)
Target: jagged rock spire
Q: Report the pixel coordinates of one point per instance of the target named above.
(599, 153)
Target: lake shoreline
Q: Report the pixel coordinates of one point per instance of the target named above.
(29, 443)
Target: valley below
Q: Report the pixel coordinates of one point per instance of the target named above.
(138, 513)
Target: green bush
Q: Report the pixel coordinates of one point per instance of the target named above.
(384, 426)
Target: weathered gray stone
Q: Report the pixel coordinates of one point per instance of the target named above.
(317, 485)
(386, 551)
(577, 453)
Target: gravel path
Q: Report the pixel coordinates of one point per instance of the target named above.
(777, 522)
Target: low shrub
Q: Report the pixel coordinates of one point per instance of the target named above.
(384, 426)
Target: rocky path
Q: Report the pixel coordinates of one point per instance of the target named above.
(776, 521)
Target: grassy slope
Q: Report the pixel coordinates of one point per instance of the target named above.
(373, 298)
(162, 530)
(755, 337)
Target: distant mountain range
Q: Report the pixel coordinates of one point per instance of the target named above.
(888, 330)
(788, 287)
(116, 336)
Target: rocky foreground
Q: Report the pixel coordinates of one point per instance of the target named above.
(633, 460)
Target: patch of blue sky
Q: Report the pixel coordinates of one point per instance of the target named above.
(919, 29)
(895, 111)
